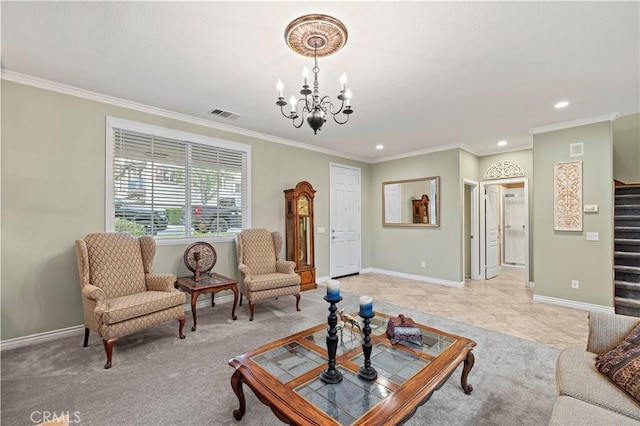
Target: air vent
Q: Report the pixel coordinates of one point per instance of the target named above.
(229, 115)
(576, 149)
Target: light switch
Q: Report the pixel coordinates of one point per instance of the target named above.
(591, 208)
(321, 230)
(593, 236)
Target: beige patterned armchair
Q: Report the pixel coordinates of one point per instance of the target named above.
(120, 292)
(262, 274)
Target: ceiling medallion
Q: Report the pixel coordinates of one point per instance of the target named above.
(316, 35)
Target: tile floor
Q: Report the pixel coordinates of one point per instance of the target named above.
(502, 304)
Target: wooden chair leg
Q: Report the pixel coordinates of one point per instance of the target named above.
(108, 347)
(182, 321)
(86, 337)
(297, 302)
(240, 299)
(252, 305)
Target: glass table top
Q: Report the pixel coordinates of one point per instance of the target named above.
(289, 361)
(394, 364)
(345, 401)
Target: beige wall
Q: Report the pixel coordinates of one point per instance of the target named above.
(626, 149)
(53, 186)
(401, 249)
(53, 181)
(564, 256)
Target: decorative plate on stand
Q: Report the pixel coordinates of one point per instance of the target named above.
(207, 253)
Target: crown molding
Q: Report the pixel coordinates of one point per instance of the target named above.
(424, 151)
(574, 123)
(123, 103)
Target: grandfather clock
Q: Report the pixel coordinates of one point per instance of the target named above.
(298, 207)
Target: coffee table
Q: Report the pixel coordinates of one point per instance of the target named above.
(209, 283)
(284, 375)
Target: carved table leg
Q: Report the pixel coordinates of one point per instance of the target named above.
(468, 364)
(236, 385)
(235, 302)
(297, 302)
(194, 299)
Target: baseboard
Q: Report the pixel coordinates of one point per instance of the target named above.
(573, 304)
(531, 284)
(422, 278)
(48, 336)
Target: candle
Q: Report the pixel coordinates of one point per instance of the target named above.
(333, 289)
(279, 86)
(293, 102)
(343, 81)
(305, 74)
(366, 306)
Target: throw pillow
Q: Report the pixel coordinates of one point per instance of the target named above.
(633, 338)
(622, 364)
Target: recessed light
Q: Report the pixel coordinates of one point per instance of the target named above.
(561, 104)
(379, 146)
(502, 143)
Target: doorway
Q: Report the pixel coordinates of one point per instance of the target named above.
(470, 263)
(504, 227)
(344, 220)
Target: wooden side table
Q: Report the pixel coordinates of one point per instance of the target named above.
(210, 283)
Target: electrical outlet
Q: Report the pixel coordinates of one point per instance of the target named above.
(575, 284)
(423, 264)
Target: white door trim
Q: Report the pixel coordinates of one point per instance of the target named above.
(359, 219)
(474, 207)
(483, 236)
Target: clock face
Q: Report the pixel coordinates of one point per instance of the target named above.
(205, 253)
(303, 205)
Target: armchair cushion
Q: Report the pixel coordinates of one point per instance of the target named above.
(136, 305)
(270, 281)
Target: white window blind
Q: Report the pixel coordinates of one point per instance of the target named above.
(175, 185)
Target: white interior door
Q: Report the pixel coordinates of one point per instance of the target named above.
(514, 227)
(492, 232)
(345, 221)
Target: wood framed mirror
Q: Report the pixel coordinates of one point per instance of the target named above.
(411, 202)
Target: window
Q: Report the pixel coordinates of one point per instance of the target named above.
(175, 185)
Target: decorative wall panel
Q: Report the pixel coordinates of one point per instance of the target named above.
(503, 170)
(567, 196)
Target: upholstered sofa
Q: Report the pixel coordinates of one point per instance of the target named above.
(586, 396)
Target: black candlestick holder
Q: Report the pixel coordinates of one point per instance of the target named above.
(331, 375)
(367, 372)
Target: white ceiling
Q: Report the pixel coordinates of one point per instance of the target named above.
(423, 74)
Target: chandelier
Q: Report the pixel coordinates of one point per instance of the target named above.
(315, 36)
